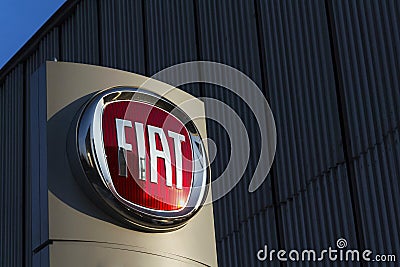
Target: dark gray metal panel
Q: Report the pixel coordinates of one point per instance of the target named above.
(293, 68)
(170, 37)
(378, 173)
(35, 213)
(121, 35)
(37, 151)
(79, 39)
(222, 41)
(314, 195)
(252, 234)
(47, 49)
(369, 55)
(319, 216)
(228, 34)
(12, 169)
(37, 162)
(368, 39)
(302, 92)
(170, 33)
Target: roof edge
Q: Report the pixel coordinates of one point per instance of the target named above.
(27, 49)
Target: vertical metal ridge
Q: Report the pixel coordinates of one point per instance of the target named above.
(80, 34)
(121, 35)
(145, 38)
(26, 196)
(344, 125)
(228, 35)
(100, 31)
(11, 225)
(367, 35)
(303, 101)
(265, 88)
(171, 38)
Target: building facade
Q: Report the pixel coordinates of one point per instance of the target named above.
(329, 70)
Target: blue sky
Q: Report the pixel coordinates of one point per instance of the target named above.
(19, 20)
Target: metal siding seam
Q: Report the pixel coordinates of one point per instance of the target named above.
(171, 37)
(275, 103)
(11, 225)
(314, 114)
(376, 104)
(14, 136)
(18, 95)
(25, 183)
(290, 13)
(222, 27)
(315, 99)
(120, 28)
(345, 126)
(292, 105)
(285, 189)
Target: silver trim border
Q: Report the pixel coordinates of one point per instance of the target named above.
(91, 156)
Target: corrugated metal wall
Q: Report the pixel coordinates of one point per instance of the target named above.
(329, 70)
(120, 25)
(313, 191)
(228, 34)
(368, 48)
(12, 168)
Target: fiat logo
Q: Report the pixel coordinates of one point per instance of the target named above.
(142, 157)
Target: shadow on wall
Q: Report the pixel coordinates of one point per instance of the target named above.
(63, 179)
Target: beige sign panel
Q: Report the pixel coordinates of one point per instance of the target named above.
(83, 234)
